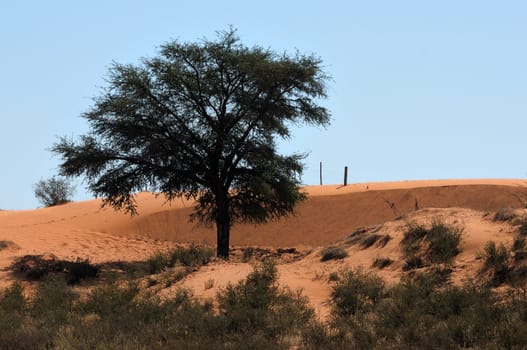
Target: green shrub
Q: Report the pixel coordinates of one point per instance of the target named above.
(523, 227)
(258, 307)
(437, 245)
(248, 253)
(54, 191)
(52, 302)
(333, 253)
(157, 262)
(419, 313)
(37, 267)
(518, 244)
(12, 299)
(192, 256)
(12, 308)
(443, 242)
(496, 259)
(356, 291)
(412, 238)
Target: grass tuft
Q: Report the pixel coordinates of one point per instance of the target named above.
(333, 253)
(369, 240)
(192, 256)
(381, 263)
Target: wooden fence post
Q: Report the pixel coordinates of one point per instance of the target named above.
(345, 176)
(320, 173)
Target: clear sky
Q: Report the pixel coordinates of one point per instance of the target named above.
(420, 89)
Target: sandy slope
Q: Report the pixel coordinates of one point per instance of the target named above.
(331, 213)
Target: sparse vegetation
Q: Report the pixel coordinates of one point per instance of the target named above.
(411, 242)
(496, 259)
(419, 313)
(333, 253)
(437, 245)
(504, 214)
(366, 237)
(258, 309)
(443, 242)
(356, 236)
(369, 240)
(356, 291)
(383, 240)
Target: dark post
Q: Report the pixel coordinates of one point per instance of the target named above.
(320, 173)
(345, 176)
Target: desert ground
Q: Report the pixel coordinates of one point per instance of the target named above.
(329, 216)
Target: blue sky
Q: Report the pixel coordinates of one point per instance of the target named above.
(420, 89)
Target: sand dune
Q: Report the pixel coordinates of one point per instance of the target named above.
(84, 229)
(328, 214)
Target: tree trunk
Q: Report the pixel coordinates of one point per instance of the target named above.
(223, 227)
(223, 235)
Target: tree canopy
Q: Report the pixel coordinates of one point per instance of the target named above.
(201, 120)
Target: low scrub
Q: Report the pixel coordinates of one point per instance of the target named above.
(438, 244)
(496, 260)
(356, 291)
(192, 256)
(256, 313)
(443, 242)
(420, 313)
(257, 306)
(369, 240)
(381, 263)
(504, 214)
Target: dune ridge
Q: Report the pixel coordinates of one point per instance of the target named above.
(329, 213)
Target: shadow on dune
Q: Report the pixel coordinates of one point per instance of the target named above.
(324, 219)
